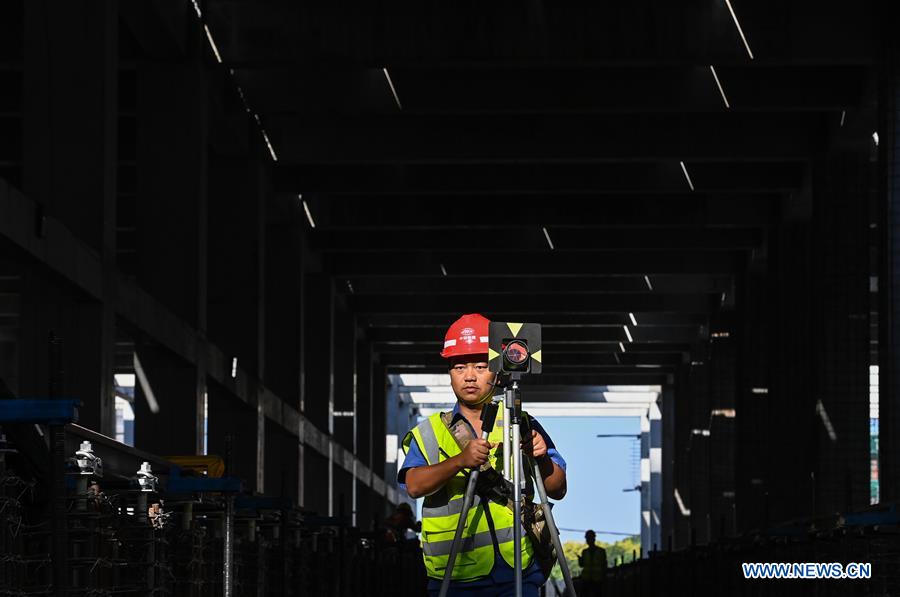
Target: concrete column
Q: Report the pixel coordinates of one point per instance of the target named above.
(70, 86)
(392, 425)
(317, 355)
(172, 171)
(165, 408)
(236, 294)
(281, 469)
(379, 421)
(840, 330)
(283, 299)
(51, 306)
(236, 309)
(698, 450)
(319, 387)
(228, 415)
(721, 424)
(677, 421)
(301, 309)
(10, 322)
(668, 507)
(344, 421)
(889, 268)
(364, 505)
(301, 472)
(333, 506)
(260, 470)
(260, 195)
(754, 402)
(792, 428)
(364, 401)
(646, 515)
(283, 329)
(655, 461)
(316, 479)
(170, 209)
(354, 331)
(70, 158)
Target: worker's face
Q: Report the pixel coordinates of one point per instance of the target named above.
(470, 379)
(589, 539)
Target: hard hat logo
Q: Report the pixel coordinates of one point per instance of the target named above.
(467, 335)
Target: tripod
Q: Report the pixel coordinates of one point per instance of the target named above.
(513, 472)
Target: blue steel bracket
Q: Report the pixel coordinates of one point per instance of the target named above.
(884, 515)
(179, 484)
(49, 412)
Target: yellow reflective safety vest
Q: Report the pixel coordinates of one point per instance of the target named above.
(441, 511)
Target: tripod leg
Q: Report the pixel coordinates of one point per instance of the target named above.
(517, 508)
(457, 537)
(554, 532)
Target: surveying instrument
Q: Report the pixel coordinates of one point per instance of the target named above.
(514, 350)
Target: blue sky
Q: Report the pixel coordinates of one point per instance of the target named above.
(597, 471)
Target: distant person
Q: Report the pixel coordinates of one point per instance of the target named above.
(593, 567)
(404, 552)
(402, 524)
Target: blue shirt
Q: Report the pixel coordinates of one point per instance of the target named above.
(502, 573)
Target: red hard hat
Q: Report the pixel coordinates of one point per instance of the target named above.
(467, 335)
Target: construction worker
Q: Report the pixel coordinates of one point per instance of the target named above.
(593, 567)
(436, 467)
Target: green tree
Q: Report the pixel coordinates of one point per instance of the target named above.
(620, 549)
(623, 550)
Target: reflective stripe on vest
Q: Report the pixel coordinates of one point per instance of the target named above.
(442, 548)
(441, 511)
(427, 441)
(454, 507)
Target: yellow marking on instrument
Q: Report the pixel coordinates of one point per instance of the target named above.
(492, 354)
(537, 356)
(514, 328)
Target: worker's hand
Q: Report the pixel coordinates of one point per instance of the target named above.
(535, 445)
(475, 453)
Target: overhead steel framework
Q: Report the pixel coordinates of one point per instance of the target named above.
(277, 205)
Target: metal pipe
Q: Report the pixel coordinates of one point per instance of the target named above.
(554, 531)
(507, 451)
(228, 581)
(142, 513)
(342, 537)
(59, 541)
(81, 489)
(517, 505)
(187, 517)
